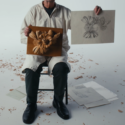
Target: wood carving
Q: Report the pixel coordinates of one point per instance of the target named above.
(43, 40)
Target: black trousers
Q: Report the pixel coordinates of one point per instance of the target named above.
(60, 73)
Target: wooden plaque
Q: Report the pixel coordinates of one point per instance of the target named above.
(54, 50)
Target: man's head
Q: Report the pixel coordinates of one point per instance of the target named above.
(49, 3)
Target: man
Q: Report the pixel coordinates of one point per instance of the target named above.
(47, 14)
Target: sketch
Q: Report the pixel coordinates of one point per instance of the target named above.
(84, 95)
(89, 28)
(79, 87)
(79, 94)
(92, 24)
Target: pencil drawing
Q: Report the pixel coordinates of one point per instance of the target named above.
(80, 95)
(79, 87)
(92, 24)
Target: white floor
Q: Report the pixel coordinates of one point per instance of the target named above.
(110, 73)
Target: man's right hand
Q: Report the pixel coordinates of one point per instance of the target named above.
(27, 31)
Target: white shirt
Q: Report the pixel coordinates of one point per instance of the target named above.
(37, 16)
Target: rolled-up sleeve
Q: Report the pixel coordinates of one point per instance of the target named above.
(69, 20)
(28, 19)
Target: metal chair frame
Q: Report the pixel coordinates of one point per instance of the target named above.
(65, 89)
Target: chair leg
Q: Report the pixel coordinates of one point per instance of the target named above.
(66, 97)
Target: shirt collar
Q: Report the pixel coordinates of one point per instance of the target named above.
(41, 5)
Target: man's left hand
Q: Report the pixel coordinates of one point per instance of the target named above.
(98, 10)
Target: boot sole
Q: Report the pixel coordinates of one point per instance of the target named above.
(54, 105)
(27, 122)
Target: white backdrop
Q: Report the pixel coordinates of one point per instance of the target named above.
(12, 13)
(111, 59)
(109, 55)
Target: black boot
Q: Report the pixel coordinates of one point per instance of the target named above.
(29, 113)
(60, 72)
(62, 110)
(32, 84)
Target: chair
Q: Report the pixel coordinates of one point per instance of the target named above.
(66, 91)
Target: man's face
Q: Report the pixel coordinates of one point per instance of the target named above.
(49, 3)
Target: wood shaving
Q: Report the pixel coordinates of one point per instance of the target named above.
(48, 113)
(96, 63)
(90, 77)
(42, 103)
(90, 60)
(82, 67)
(11, 89)
(12, 109)
(23, 58)
(71, 60)
(122, 103)
(22, 78)
(120, 111)
(94, 77)
(2, 108)
(40, 98)
(78, 77)
(45, 71)
(22, 100)
(70, 53)
(51, 98)
(6, 65)
(38, 101)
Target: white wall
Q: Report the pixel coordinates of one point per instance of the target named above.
(12, 13)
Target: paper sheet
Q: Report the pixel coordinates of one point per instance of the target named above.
(107, 94)
(84, 95)
(16, 95)
(110, 96)
(97, 103)
(22, 89)
(89, 28)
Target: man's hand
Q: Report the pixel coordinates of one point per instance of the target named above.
(27, 31)
(98, 10)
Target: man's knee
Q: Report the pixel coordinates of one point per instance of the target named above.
(31, 73)
(60, 67)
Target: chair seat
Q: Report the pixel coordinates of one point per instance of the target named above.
(45, 73)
